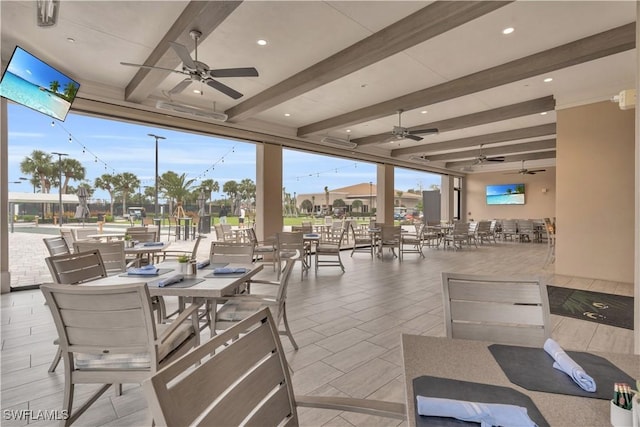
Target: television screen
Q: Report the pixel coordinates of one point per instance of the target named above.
(33, 83)
(505, 194)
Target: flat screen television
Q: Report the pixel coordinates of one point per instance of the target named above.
(33, 83)
(505, 194)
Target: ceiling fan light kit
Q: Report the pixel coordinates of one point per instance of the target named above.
(399, 132)
(193, 111)
(338, 142)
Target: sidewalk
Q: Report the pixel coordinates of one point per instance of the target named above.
(27, 251)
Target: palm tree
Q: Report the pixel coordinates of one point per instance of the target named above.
(70, 90)
(126, 183)
(40, 166)
(107, 183)
(231, 188)
(326, 197)
(71, 169)
(175, 187)
(209, 186)
(247, 190)
(54, 86)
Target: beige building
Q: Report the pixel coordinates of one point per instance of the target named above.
(364, 192)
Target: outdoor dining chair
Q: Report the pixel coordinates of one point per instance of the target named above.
(107, 335)
(328, 249)
(241, 377)
(506, 310)
(56, 245)
(362, 239)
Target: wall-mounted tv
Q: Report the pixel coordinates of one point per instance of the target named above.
(33, 83)
(505, 194)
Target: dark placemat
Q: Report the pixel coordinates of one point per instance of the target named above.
(225, 275)
(532, 368)
(215, 265)
(160, 272)
(446, 388)
(599, 307)
(186, 283)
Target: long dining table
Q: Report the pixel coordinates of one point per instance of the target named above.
(473, 362)
(209, 285)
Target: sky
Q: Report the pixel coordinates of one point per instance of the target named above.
(108, 146)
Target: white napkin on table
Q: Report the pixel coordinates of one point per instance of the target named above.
(487, 414)
(567, 365)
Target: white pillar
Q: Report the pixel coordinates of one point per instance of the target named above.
(637, 197)
(5, 276)
(446, 192)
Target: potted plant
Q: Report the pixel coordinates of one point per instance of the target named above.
(128, 241)
(183, 262)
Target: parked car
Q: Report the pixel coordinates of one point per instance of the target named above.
(398, 216)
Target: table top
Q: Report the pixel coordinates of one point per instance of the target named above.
(140, 248)
(211, 287)
(106, 235)
(468, 360)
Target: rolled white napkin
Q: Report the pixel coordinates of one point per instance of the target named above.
(567, 365)
(170, 280)
(487, 414)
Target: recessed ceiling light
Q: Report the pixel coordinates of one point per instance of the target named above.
(287, 114)
(423, 112)
(508, 30)
(71, 40)
(544, 113)
(548, 79)
(262, 42)
(199, 92)
(348, 130)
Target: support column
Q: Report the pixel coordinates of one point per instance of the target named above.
(446, 192)
(5, 276)
(384, 194)
(268, 190)
(636, 270)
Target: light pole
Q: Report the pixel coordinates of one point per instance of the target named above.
(155, 211)
(370, 198)
(60, 209)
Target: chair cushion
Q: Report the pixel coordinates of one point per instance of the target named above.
(234, 311)
(264, 249)
(136, 361)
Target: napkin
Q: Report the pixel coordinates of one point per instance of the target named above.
(229, 270)
(152, 244)
(487, 414)
(312, 235)
(176, 278)
(202, 264)
(567, 365)
(147, 270)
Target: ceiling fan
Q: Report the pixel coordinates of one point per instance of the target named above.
(199, 71)
(524, 171)
(400, 132)
(482, 158)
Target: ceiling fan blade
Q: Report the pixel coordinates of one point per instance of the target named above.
(150, 67)
(538, 170)
(234, 72)
(413, 137)
(495, 159)
(180, 86)
(423, 131)
(184, 55)
(223, 88)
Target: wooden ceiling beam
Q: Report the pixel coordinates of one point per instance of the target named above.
(490, 138)
(546, 144)
(510, 159)
(204, 16)
(428, 22)
(534, 106)
(600, 45)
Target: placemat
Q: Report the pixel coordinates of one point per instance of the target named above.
(186, 283)
(532, 368)
(160, 272)
(215, 265)
(225, 275)
(446, 388)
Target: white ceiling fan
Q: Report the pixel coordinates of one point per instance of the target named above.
(482, 158)
(525, 171)
(197, 71)
(400, 132)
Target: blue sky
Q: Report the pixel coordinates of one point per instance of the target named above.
(105, 146)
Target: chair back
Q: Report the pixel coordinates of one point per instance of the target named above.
(82, 233)
(112, 253)
(219, 232)
(483, 227)
(289, 242)
(509, 226)
(86, 318)
(390, 234)
(68, 236)
(143, 236)
(498, 309)
(72, 269)
(56, 245)
(231, 253)
(239, 377)
(281, 295)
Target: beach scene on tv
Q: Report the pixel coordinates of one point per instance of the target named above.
(505, 194)
(35, 84)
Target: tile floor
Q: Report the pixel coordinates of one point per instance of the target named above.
(347, 325)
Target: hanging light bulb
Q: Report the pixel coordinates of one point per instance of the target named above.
(53, 123)
(70, 140)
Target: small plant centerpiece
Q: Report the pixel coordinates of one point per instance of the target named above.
(183, 261)
(128, 241)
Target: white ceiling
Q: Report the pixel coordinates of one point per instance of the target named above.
(302, 33)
